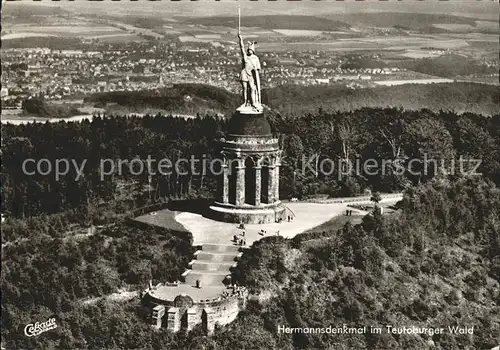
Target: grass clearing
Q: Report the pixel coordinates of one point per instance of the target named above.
(336, 223)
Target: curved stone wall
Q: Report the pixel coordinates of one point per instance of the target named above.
(175, 315)
(265, 215)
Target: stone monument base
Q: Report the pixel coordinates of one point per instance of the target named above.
(247, 214)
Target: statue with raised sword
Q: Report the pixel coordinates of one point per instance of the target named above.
(249, 76)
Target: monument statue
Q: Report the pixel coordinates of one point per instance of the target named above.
(250, 180)
(249, 76)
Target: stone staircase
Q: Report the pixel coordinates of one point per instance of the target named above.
(212, 264)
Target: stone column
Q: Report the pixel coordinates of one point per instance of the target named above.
(192, 318)
(174, 319)
(271, 184)
(258, 181)
(158, 312)
(277, 183)
(209, 321)
(240, 185)
(225, 185)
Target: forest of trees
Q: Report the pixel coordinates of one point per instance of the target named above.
(44, 276)
(37, 106)
(436, 264)
(459, 97)
(296, 100)
(446, 66)
(201, 98)
(390, 134)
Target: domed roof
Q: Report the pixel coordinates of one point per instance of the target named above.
(249, 124)
(183, 300)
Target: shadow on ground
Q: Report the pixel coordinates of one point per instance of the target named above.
(196, 206)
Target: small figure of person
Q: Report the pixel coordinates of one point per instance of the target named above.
(243, 233)
(288, 218)
(198, 285)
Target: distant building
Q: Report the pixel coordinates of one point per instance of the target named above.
(347, 77)
(322, 81)
(70, 52)
(287, 61)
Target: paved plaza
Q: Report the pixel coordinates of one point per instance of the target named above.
(197, 294)
(307, 216)
(219, 251)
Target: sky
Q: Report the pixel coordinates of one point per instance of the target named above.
(487, 9)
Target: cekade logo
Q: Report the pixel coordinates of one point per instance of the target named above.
(38, 328)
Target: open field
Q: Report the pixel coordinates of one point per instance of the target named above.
(80, 29)
(326, 35)
(22, 35)
(412, 81)
(414, 43)
(208, 36)
(23, 119)
(20, 120)
(470, 37)
(169, 31)
(297, 32)
(193, 39)
(454, 26)
(422, 53)
(118, 38)
(490, 25)
(71, 29)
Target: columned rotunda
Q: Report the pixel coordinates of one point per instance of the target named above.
(249, 183)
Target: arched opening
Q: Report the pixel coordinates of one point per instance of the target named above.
(264, 181)
(249, 181)
(220, 183)
(184, 320)
(232, 180)
(204, 320)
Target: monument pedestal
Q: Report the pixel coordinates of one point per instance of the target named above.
(249, 214)
(249, 183)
